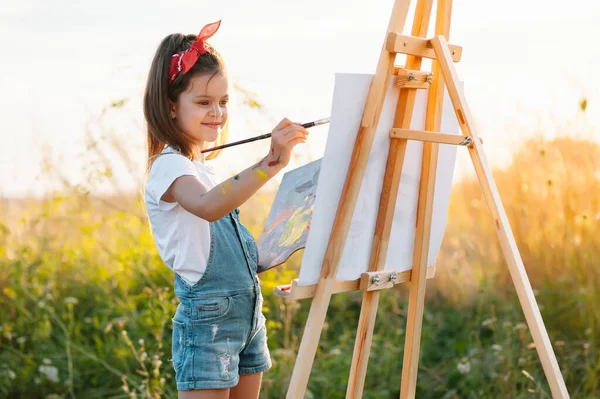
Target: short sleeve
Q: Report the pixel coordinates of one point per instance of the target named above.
(165, 170)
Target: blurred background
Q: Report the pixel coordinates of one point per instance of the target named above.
(85, 301)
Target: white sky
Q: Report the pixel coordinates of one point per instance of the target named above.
(525, 64)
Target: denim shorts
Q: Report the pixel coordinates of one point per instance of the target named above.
(216, 338)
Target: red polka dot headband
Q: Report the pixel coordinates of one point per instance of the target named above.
(184, 60)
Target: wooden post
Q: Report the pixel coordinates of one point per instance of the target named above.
(358, 163)
(416, 300)
(505, 235)
(385, 215)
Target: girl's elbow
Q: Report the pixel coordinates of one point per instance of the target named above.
(207, 213)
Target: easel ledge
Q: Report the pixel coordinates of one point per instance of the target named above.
(294, 291)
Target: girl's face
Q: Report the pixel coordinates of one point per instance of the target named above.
(201, 110)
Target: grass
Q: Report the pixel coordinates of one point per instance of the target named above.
(86, 301)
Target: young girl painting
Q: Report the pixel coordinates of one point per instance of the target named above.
(219, 347)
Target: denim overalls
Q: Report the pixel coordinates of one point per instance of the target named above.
(219, 330)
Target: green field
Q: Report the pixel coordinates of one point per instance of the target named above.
(87, 303)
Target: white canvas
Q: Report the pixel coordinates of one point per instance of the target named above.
(349, 99)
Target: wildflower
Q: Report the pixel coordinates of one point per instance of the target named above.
(51, 372)
(496, 347)
(463, 366)
(11, 374)
(71, 300)
(488, 322)
(46, 361)
(141, 342)
(21, 340)
(520, 326)
(87, 320)
(526, 374)
(335, 351)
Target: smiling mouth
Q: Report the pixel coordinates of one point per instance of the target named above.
(212, 125)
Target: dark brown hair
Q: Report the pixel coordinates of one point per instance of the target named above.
(162, 129)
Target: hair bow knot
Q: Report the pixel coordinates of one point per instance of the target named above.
(183, 61)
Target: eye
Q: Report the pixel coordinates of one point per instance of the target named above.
(203, 103)
(224, 102)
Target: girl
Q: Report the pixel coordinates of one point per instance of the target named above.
(219, 347)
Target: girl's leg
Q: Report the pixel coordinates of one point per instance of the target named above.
(248, 387)
(204, 394)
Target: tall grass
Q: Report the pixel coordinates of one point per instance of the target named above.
(86, 301)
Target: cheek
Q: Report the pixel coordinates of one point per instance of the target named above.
(195, 113)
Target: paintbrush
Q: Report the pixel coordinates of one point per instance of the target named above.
(266, 136)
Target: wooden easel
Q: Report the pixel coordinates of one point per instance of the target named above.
(410, 79)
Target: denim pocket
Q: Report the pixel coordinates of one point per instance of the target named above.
(206, 310)
(179, 344)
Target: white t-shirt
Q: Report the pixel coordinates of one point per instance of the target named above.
(182, 238)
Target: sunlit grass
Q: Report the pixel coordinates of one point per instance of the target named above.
(86, 301)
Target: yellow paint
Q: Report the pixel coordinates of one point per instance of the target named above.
(225, 187)
(295, 226)
(261, 174)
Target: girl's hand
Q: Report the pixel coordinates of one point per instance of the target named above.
(284, 138)
(217, 202)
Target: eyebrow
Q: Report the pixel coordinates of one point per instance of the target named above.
(207, 96)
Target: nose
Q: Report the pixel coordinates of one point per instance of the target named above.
(216, 110)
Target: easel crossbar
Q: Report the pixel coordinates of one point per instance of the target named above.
(417, 46)
(431, 137)
(294, 291)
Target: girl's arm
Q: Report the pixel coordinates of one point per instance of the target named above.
(217, 202)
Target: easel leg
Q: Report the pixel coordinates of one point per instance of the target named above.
(310, 339)
(358, 163)
(362, 345)
(385, 215)
(416, 300)
(370, 302)
(505, 235)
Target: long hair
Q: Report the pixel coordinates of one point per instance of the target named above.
(161, 128)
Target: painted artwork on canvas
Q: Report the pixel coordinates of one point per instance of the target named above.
(288, 223)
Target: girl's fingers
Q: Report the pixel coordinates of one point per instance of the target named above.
(294, 136)
(285, 122)
(298, 136)
(295, 141)
(288, 131)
